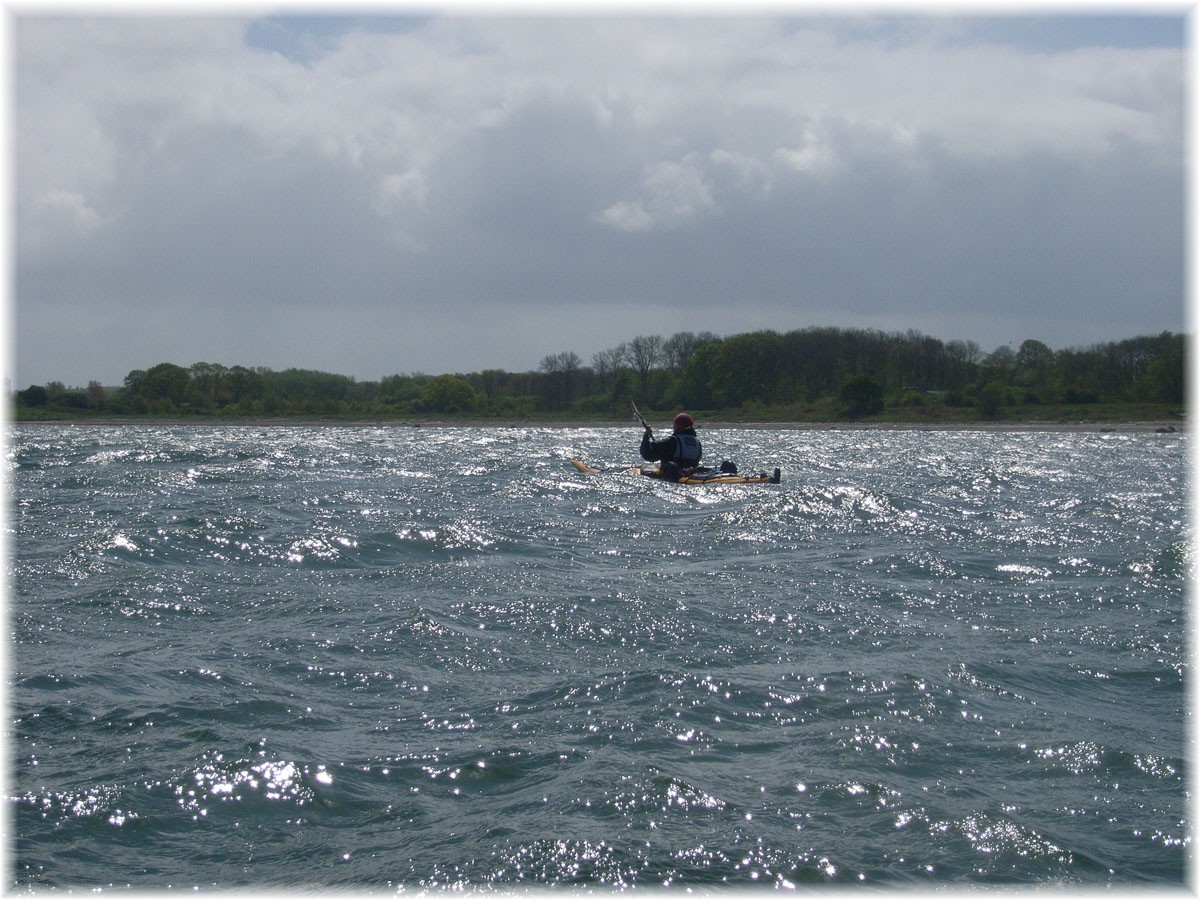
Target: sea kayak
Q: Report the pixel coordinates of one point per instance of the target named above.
(696, 476)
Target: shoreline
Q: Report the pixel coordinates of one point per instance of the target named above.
(1158, 426)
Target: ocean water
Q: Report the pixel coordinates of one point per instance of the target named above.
(422, 658)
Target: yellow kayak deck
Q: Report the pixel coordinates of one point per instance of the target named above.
(703, 476)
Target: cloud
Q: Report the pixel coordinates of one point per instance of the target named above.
(57, 215)
(195, 182)
(671, 195)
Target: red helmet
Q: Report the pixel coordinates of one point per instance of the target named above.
(683, 421)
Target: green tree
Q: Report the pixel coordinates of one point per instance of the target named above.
(1035, 371)
(1034, 355)
(861, 395)
(161, 387)
(97, 397)
(240, 384)
(1000, 363)
(490, 382)
(606, 364)
(308, 390)
(992, 397)
(696, 371)
(560, 375)
(35, 395)
(1165, 376)
(678, 348)
(643, 354)
(206, 382)
(751, 368)
(449, 394)
(696, 387)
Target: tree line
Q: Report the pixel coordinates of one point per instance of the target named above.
(825, 372)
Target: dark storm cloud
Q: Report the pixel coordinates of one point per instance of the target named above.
(453, 194)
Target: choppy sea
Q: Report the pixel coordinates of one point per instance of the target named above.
(398, 658)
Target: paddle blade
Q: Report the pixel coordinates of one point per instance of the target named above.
(637, 414)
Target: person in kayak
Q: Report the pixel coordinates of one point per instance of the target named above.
(676, 454)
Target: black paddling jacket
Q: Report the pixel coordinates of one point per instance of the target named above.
(682, 448)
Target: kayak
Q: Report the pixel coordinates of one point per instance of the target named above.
(696, 476)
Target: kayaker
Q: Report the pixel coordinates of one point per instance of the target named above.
(679, 452)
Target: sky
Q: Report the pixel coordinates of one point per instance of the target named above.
(472, 188)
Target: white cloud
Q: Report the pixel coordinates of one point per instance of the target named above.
(743, 171)
(815, 153)
(400, 200)
(671, 195)
(54, 216)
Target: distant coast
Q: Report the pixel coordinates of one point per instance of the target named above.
(1156, 426)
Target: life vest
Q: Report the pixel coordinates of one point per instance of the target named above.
(687, 450)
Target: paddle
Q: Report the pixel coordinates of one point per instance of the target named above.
(638, 415)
